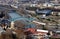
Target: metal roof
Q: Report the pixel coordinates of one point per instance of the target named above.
(15, 16)
(44, 11)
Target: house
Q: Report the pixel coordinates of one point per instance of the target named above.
(25, 1)
(42, 32)
(14, 6)
(13, 16)
(32, 33)
(1, 30)
(39, 22)
(43, 12)
(56, 34)
(59, 13)
(47, 4)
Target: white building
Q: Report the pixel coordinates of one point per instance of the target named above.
(47, 5)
